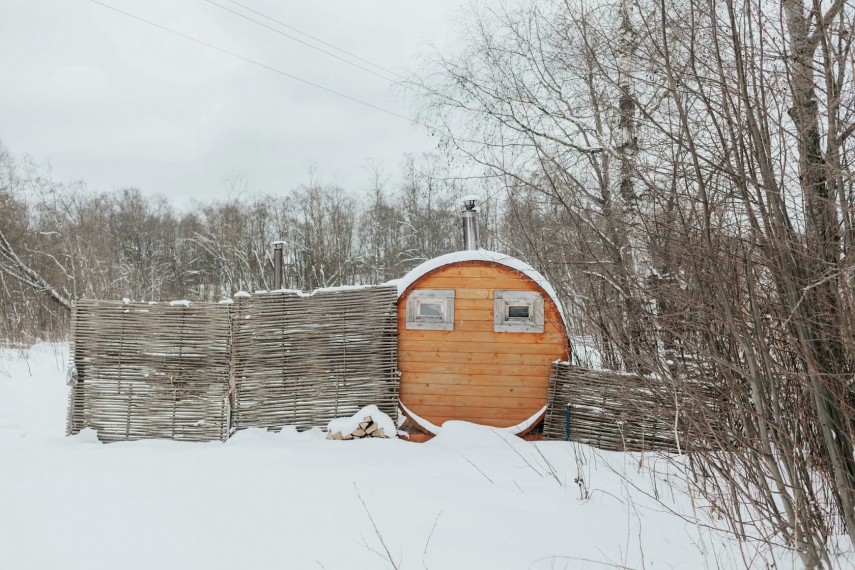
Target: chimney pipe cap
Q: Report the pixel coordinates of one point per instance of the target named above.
(470, 201)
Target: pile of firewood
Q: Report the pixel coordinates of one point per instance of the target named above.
(367, 428)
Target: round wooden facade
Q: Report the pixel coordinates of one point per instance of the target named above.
(477, 334)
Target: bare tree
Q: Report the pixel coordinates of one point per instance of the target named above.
(690, 162)
(14, 263)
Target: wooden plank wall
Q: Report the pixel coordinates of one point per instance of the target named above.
(472, 373)
(623, 412)
(304, 360)
(150, 370)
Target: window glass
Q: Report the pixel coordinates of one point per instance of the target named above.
(430, 310)
(518, 311)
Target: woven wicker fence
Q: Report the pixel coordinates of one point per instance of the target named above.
(622, 412)
(304, 360)
(150, 370)
(197, 371)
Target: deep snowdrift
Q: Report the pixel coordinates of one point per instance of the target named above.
(471, 498)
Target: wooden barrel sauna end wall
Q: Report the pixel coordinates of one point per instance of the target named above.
(477, 334)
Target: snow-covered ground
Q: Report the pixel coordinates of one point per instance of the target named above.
(472, 498)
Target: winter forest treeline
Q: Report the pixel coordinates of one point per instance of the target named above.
(681, 171)
(59, 241)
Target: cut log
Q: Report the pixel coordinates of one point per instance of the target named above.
(366, 428)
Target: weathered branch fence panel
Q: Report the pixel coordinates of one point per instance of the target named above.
(197, 371)
(623, 412)
(150, 370)
(304, 360)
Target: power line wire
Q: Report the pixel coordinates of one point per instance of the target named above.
(319, 40)
(252, 61)
(305, 43)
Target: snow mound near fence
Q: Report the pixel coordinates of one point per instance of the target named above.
(459, 435)
(473, 497)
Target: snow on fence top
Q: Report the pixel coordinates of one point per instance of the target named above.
(312, 293)
(420, 271)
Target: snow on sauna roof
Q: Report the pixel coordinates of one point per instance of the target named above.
(478, 255)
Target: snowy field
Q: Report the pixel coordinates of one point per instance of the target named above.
(472, 498)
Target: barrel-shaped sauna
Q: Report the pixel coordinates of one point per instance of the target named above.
(477, 334)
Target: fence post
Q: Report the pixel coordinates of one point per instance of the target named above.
(567, 421)
(277, 264)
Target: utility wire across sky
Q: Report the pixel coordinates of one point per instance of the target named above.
(320, 41)
(251, 61)
(305, 43)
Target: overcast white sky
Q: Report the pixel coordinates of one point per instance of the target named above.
(116, 102)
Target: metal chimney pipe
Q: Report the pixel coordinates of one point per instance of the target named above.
(277, 264)
(470, 222)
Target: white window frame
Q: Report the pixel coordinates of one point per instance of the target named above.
(442, 297)
(502, 300)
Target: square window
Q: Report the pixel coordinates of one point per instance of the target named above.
(431, 309)
(517, 311)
